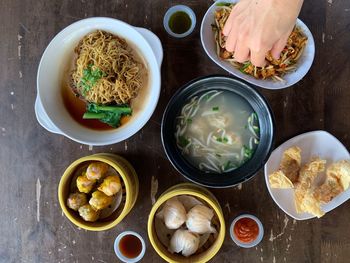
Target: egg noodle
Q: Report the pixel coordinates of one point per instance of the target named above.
(106, 70)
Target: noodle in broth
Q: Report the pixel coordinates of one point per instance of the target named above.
(107, 76)
(217, 131)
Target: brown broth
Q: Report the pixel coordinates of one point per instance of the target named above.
(130, 246)
(77, 107)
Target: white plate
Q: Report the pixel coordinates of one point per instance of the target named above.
(303, 65)
(315, 143)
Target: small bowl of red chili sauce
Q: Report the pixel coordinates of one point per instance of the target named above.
(246, 231)
(129, 247)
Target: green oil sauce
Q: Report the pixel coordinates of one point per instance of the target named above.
(180, 22)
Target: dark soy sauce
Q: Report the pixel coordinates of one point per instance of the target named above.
(130, 246)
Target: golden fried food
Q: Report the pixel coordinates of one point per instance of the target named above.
(84, 185)
(303, 190)
(88, 213)
(279, 180)
(99, 200)
(311, 205)
(96, 170)
(337, 181)
(110, 185)
(341, 171)
(76, 200)
(328, 190)
(309, 196)
(290, 164)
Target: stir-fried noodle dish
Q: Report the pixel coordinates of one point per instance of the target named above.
(274, 69)
(217, 131)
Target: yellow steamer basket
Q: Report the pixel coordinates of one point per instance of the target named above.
(130, 188)
(203, 195)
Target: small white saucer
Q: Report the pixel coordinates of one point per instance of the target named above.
(253, 243)
(179, 8)
(121, 256)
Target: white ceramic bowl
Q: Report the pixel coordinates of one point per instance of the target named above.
(316, 143)
(49, 108)
(303, 64)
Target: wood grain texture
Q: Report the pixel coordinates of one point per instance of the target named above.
(29, 153)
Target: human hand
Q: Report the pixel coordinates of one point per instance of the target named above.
(255, 27)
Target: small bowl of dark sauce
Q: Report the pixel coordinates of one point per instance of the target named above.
(129, 247)
(179, 21)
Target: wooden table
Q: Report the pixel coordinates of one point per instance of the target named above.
(32, 160)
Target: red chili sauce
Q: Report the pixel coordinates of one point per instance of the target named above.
(246, 230)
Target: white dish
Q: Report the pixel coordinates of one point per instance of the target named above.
(316, 143)
(303, 64)
(49, 108)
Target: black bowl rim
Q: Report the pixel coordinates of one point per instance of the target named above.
(251, 173)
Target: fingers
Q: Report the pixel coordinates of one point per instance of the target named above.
(258, 58)
(236, 10)
(279, 46)
(241, 52)
(231, 40)
(237, 34)
(242, 49)
(228, 25)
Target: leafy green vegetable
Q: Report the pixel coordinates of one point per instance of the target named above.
(183, 141)
(90, 77)
(224, 140)
(256, 129)
(216, 108)
(107, 114)
(245, 65)
(248, 153)
(223, 4)
(229, 165)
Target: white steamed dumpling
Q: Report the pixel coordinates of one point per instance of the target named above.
(199, 220)
(174, 213)
(185, 242)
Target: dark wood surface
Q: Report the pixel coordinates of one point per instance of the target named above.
(29, 154)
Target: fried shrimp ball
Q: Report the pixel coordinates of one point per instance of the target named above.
(99, 200)
(76, 200)
(96, 170)
(88, 213)
(110, 185)
(84, 184)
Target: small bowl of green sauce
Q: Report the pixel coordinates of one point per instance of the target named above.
(179, 21)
